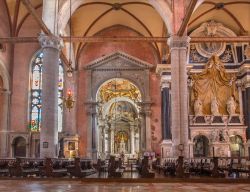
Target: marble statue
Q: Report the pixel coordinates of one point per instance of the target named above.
(198, 107)
(231, 106)
(215, 107)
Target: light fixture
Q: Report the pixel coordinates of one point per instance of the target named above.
(69, 100)
(70, 68)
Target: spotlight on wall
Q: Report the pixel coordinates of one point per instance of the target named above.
(69, 100)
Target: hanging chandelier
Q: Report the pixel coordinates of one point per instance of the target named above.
(70, 68)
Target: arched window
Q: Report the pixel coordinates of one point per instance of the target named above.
(36, 94)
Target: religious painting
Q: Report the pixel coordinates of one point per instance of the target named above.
(71, 145)
(119, 88)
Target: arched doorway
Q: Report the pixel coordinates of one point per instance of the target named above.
(201, 146)
(236, 146)
(118, 118)
(19, 147)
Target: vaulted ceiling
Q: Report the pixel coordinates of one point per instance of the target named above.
(18, 13)
(94, 16)
(233, 14)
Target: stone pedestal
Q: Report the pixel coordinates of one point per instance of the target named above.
(49, 129)
(166, 148)
(70, 144)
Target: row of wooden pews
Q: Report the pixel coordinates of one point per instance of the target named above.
(49, 167)
(210, 167)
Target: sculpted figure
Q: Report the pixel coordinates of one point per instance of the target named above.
(198, 107)
(215, 107)
(231, 106)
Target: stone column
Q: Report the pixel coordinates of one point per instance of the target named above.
(107, 144)
(50, 10)
(49, 129)
(95, 135)
(132, 136)
(142, 135)
(148, 130)
(239, 86)
(112, 135)
(101, 138)
(5, 94)
(247, 90)
(165, 111)
(92, 138)
(179, 94)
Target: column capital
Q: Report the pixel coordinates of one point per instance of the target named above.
(165, 82)
(179, 42)
(50, 41)
(245, 84)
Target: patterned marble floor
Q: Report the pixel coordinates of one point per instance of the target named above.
(78, 186)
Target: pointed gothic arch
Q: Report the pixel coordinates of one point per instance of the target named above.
(161, 6)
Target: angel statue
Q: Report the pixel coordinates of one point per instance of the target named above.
(231, 106)
(215, 107)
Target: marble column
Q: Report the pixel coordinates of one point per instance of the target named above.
(5, 94)
(101, 139)
(142, 136)
(92, 132)
(112, 140)
(240, 92)
(95, 135)
(132, 138)
(49, 124)
(148, 130)
(179, 94)
(49, 16)
(247, 115)
(165, 112)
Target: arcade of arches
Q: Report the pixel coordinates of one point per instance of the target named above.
(172, 79)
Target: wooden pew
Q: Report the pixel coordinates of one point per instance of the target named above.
(81, 168)
(144, 169)
(4, 166)
(113, 168)
(54, 168)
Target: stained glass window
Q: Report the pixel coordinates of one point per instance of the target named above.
(36, 94)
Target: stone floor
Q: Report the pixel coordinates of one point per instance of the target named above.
(79, 186)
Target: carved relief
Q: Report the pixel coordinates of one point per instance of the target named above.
(212, 29)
